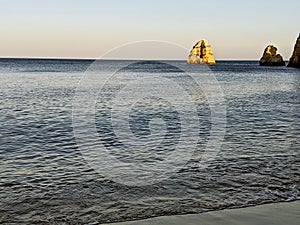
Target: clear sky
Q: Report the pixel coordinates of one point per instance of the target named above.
(236, 29)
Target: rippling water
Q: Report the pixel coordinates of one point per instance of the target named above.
(45, 179)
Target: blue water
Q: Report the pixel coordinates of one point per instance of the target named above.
(45, 179)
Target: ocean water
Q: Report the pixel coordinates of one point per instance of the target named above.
(45, 178)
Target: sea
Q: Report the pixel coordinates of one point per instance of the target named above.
(46, 176)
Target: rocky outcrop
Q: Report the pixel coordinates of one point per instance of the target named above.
(201, 53)
(270, 58)
(295, 59)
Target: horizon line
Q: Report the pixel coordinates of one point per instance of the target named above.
(94, 59)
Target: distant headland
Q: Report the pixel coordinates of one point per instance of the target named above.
(295, 59)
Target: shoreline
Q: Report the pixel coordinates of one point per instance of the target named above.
(280, 213)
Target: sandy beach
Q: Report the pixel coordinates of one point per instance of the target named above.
(286, 213)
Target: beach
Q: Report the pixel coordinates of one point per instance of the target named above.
(286, 213)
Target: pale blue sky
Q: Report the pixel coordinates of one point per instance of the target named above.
(89, 28)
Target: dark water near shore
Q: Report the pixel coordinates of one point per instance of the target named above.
(45, 180)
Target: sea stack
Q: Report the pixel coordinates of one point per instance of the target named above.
(270, 58)
(295, 59)
(201, 53)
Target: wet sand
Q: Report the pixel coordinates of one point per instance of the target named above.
(286, 213)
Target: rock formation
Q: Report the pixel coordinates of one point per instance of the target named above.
(295, 59)
(270, 58)
(201, 53)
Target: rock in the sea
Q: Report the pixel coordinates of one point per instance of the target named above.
(201, 53)
(295, 59)
(270, 58)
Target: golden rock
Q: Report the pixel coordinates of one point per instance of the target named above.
(201, 53)
(270, 58)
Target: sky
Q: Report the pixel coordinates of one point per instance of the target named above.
(236, 29)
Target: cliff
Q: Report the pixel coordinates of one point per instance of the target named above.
(295, 59)
(270, 58)
(201, 53)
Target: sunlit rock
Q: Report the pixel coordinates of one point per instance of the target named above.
(271, 58)
(201, 53)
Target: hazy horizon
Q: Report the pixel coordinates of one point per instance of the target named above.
(87, 29)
